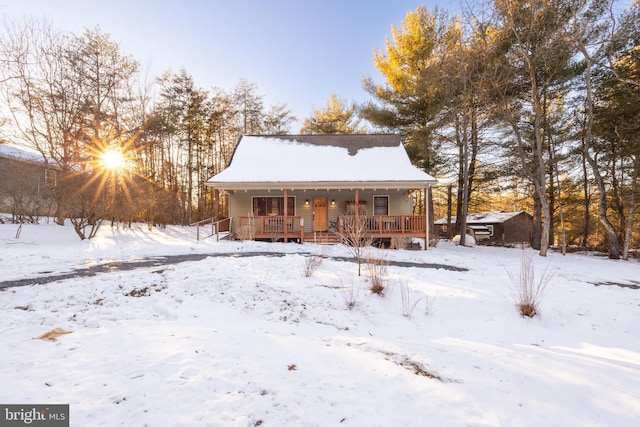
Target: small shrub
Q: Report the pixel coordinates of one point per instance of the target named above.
(377, 269)
(247, 231)
(525, 290)
(400, 242)
(350, 295)
(349, 292)
(311, 264)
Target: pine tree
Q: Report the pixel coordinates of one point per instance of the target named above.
(336, 117)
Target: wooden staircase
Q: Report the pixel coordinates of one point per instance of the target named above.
(322, 238)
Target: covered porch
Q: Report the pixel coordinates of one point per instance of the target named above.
(330, 215)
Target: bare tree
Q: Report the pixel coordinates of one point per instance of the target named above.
(69, 99)
(353, 232)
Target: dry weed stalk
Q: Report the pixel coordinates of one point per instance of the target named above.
(311, 264)
(525, 290)
(350, 295)
(405, 299)
(377, 268)
(349, 292)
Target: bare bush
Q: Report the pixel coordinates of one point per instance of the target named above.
(400, 242)
(350, 292)
(311, 264)
(377, 269)
(350, 295)
(353, 233)
(525, 290)
(247, 231)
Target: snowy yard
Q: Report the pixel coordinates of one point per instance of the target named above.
(248, 341)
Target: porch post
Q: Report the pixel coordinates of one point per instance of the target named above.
(286, 209)
(357, 201)
(426, 218)
(216, 202)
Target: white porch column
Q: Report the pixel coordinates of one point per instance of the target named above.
(286, 209)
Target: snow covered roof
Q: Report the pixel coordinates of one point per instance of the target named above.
(335, 161)
(11, 152)
(484, 218)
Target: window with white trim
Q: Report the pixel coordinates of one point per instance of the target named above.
(381, 205)
(272, 206)
(50, 177)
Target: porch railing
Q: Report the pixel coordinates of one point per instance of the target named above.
(384, 225)
(270, 227)
(292, 227)
(217, 226)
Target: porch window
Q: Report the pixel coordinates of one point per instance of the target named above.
(272, 206)
(350, 207)
(381, 205)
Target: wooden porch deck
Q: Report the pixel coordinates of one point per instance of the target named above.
(367, 226)
(383, 226)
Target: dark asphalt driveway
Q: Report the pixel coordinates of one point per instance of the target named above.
(176, 259)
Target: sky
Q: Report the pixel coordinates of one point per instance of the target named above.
(296, 52)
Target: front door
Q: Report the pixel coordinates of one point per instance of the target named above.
(320, 214)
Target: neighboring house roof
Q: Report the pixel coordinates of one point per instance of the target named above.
(336, 161)
(11, 152)
(485, 217)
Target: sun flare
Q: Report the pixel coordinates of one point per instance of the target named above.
(113, 159)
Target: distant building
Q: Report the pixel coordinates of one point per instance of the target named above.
(501, 227)
(27, 182)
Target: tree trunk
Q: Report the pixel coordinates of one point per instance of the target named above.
(614, 246)
(587, 200)
(632, 205)
(449, 201)
(537, 222)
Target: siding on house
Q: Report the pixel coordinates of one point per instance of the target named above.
(508, 227)
(518, 229)
(26, 186)
(399, 203)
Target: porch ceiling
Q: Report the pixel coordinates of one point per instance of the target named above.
(321, 185)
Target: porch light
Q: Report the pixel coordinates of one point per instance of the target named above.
(306, 202)
(333, 202)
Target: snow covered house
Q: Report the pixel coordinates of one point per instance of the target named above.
(501, 227)
(26, 183)
(304, 187)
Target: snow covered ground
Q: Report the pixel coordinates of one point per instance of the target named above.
(248, 341)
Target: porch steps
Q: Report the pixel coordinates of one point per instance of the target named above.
(322, 238)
